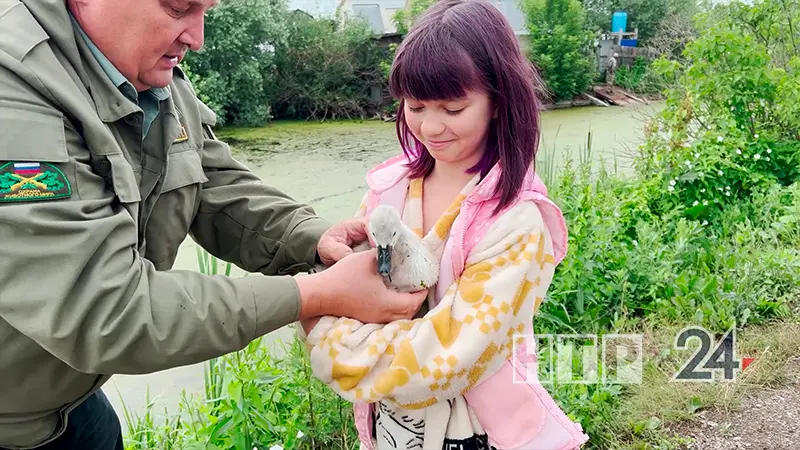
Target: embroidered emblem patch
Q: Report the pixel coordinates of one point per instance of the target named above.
(183, 137)
(25, 181)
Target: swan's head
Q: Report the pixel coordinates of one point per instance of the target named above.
(386, 229)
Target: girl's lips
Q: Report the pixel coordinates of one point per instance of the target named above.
(439, 144)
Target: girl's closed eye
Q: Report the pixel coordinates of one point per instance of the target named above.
(454, 111)
(450, 110)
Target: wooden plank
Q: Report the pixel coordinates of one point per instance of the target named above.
(596, 100)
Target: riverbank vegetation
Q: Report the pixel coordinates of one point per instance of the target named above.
(707, 233)
(262, 61)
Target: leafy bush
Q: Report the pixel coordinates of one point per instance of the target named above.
(233, 71)
(731, 122)
(626, 262)
(261, 61)
(325, 70)
(640, 78)
(560, 45)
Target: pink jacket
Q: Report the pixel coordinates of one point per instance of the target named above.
(515, 414)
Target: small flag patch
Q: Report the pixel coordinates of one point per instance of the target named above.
(27, 168)
(27, 181)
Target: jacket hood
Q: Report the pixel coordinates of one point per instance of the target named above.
(389, 173)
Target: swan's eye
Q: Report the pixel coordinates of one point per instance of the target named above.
(394, 234)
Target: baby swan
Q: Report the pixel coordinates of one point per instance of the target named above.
(403, 259)
(407, 265)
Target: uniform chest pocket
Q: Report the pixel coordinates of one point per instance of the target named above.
(184, 168)
(174, 211)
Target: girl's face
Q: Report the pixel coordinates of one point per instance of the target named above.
(454, 130)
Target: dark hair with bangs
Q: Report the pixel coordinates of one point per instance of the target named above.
(462, 45)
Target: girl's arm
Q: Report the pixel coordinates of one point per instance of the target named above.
(460, 342)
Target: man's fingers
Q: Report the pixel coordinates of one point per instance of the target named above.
(356, 230)
(339, 251)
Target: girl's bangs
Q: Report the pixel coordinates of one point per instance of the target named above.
(433, 68)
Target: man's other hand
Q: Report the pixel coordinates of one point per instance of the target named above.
(338, 241)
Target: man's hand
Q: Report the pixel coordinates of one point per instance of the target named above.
(353, 288)
(336, 243)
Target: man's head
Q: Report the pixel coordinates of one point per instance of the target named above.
(144, 39)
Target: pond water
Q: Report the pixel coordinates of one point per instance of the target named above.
(324, 164)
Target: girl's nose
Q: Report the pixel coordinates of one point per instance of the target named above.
(431, 126)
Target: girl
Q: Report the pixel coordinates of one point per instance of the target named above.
(455, 376)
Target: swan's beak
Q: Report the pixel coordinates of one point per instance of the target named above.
(384, 259)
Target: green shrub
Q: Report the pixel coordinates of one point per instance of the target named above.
(560, 45)
(234, 69)
(262, 62)
(326, 70)
(731, 122)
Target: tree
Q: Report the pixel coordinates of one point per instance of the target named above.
(560, 45)
(234, 71)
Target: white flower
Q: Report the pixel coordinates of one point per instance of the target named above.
(635, 243)
(705, 222)
(300, 434)
(733, 108)
(720, 173)
(672, 182)
(720, 139)
(688, 163)
(756, 136)
(671, 188)
(687, 145)
(738, 152)
(728, 188)
(727, 193)
(275, 447)
(756, 156)
(700, 174)
(695, 203)
(697, 155)
(768, 158)
(705, 202)
(703, 190)
(769, 150)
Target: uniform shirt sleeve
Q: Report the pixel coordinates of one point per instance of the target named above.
(243, 220)
(460, 342)
(73, 281)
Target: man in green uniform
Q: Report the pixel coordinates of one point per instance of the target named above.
(107, 162)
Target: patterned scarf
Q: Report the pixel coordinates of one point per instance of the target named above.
(449, 425)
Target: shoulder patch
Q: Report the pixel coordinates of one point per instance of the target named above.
(30, 181)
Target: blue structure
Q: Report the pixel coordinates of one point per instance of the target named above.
(619, 22)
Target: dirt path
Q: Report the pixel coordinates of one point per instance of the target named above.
(768, 417)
